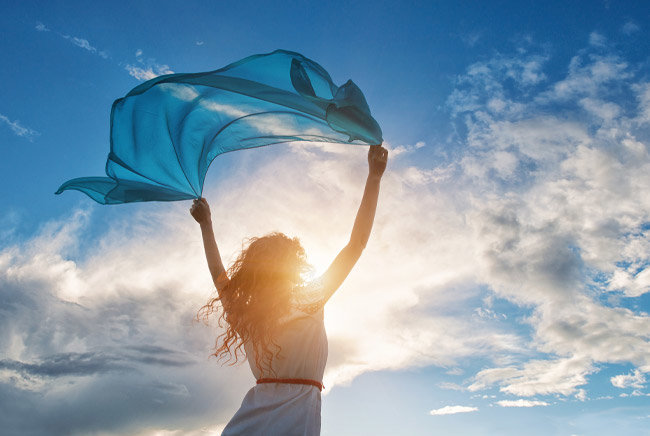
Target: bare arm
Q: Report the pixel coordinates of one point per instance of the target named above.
(347, 258)
(200, 210)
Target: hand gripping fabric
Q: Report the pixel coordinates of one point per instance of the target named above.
(166, 131)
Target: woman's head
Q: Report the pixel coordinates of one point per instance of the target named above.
(275, 260)
(262, 280)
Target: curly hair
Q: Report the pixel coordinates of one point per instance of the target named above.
(258, 295)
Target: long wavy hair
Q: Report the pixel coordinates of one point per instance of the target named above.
(262, 281)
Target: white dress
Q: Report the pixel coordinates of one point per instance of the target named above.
(287, 409)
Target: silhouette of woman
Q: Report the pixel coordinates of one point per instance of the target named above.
(278, 320)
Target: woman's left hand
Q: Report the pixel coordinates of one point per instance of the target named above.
(377, 159)
(200, 210)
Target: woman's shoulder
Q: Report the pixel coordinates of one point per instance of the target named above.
(308, 298)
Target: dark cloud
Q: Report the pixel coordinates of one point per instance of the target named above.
(89, 363)
(65, 364)
(156, 355)
(118, 363)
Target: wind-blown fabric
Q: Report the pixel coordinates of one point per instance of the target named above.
(166, 131)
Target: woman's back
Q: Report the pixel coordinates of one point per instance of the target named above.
(285, 408)
(303, 348)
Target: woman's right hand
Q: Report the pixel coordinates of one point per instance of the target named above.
(377, 159)
(200, 210)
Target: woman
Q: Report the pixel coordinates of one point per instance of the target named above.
(278, 320)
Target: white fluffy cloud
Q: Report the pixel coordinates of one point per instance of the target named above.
(146, 69)
(451, 410)
(634, 380)
(560, 210)
(521, 403)
(147, 73)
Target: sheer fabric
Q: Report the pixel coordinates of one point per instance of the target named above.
(165, 132)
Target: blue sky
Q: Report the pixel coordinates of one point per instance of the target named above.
(506, 286)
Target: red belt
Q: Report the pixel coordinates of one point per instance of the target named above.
(292, 381)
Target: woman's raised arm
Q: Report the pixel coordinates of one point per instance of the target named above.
(200, 210)
(347, 258)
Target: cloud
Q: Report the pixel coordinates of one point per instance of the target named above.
(451, 410)
(83, 43)
(34, 376)
(199, 43)
(642, 91)
(89, 363)
(149, 72)
(559, 208)
(521, 403)
(581, 395)
(79, 42)
(452, 386)
(635, 379)
(630, 28)
(596, 39)
(19, 129)
(471, 38)
(589, 75)
(406, 149)
(147, 69)
(96, 346)
(536, 377)
(205, 431)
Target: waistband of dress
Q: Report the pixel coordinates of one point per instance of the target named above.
(293, 381)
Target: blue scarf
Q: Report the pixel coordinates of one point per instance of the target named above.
(166, 131)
